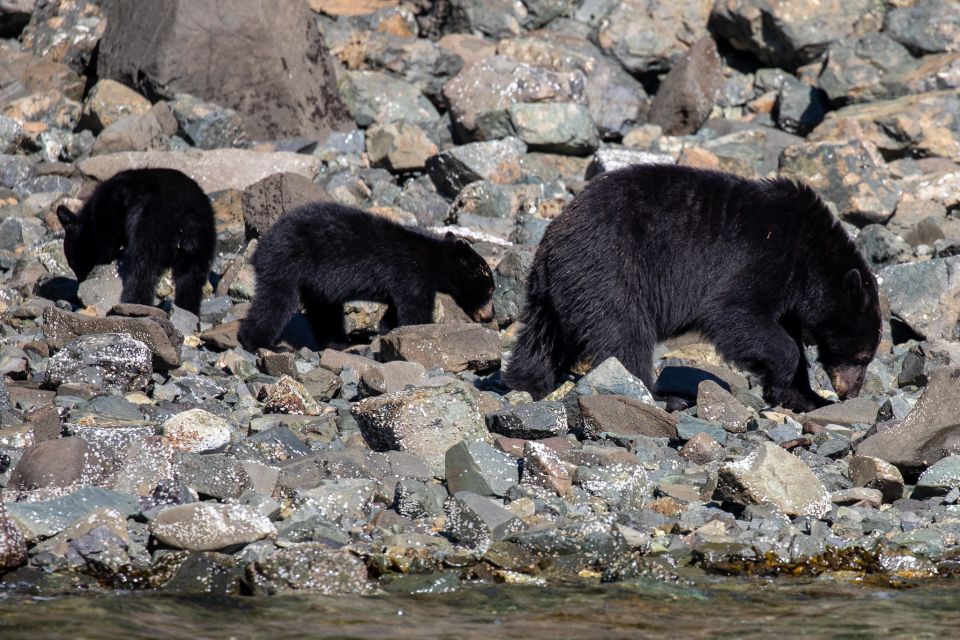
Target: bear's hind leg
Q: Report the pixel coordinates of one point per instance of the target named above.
(140, 281)
(326, 320)
(537, 360)
(189, 276)
(273, 304)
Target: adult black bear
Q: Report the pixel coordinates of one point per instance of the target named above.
(325, 254)
(149, 219)
(652, 251)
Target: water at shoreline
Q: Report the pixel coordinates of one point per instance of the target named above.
(733, 608)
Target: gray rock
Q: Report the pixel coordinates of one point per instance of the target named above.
(859, 410)
(19, 232)
(207, 526)
(132, 133)
(498, 161)
(939, 478)
(425, 422)
(67, 32)
(213, 170)
(535, 420)
(62, 462)
(452, 347)
(923, 295)
(265, 201)
(830, 168)
(926, 26)
(346, 497)
(772, 475)
(687, 94)
(799, 107)
(878, 474)
(622, 486)
(416, 499)
(112, 360)
(476, 521)
(311, 567)
(929, 433)
(719, 405)
(251, 45)
(101, 289)
(564, 128)
(216, 475)
(702, 449)
(689, 427)
(12, 136)
(611, 377)
(494, 18)
(857, 69)
(145, 463)
(786, 34)
(650, 36)
(624, 415)
(206, 124)
(612, 158)
(881, 247)
(479, 468)
(46, 518)
(13, 546)
(375, 97)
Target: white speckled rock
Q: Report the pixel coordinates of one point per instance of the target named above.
(206, 526)
(196, 431)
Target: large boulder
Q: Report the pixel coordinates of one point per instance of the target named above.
(925, 296)
(687, 94)
(650, 36)
(265, 59)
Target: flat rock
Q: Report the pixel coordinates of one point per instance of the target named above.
(624, 415)
(477, 521)
(859, 410)
(311, 567)
(207, 526)
(478, 467)
(425, 422)
(532, 421)
(196, 431)
(213, 170)
(113, 360)
(62, 327)
(771, 475)
(452, 347)
(46, 518)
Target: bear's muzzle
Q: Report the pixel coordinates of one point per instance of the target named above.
(847, 380)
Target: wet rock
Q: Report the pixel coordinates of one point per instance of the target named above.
(425, 422)
(477, 521)
(786, 34)
(375, 97)
(923, 124)
(67, 31)
(207, 526)
(309, 567)
(62, 327)
(62, 462)
(611, 377)
(771, 475)
(479, 468)
(288, 55)
(612, 158)
(108, 102)
(646, 36)
(268, 199)
(858, 69)
(930, 431)
(210, 574)
(939, 478)
(452, 347)
(207, 125)
(108, 359)
(291, 397)
(399, 146)
(687, 94)
(852, 175)
(533, 421)
(564, 128)
(13, 546)
(196, 431)
(719, 405)
(923, 295)
(497, 161)
(213, 170)
(100, 540)
(624, 415)
(46, 518)
(926, 26)
(878, 474)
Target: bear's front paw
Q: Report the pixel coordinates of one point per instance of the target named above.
(796, 401)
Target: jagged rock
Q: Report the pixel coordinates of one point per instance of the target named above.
(13, 546)
(268, 199)
(543, 467)
(66, 31)
(108, 102)
(535, 420)
(926, 26)
(477, 521)
(62, 327)
(719, 405)
(686, 96)
(452, 347)
(477, 467)
(290, 396)
(611, 377)
(207, 526)
(103, 360)
(498, 161)
(399, 146)
(311, 567)
(876, 474)
(375, 97)
(857, 69)
(207, 125)
(771, 475)
(924, 295)
(651, 36)
(252, 45)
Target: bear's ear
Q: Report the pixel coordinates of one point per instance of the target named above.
(65, 216)
(856, 294)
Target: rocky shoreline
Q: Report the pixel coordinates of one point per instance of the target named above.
(142, 448)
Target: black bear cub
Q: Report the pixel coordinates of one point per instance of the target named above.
(651, 251)
(151, 220)
(324, 254)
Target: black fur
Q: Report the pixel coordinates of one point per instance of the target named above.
(149, 219)
(648, 252)
(324, 254)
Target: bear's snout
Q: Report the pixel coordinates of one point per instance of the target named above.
(486, 313)
(847, 380)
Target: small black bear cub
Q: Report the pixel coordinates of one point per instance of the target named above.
(324, 254)
(149, 219)
(648, 252)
